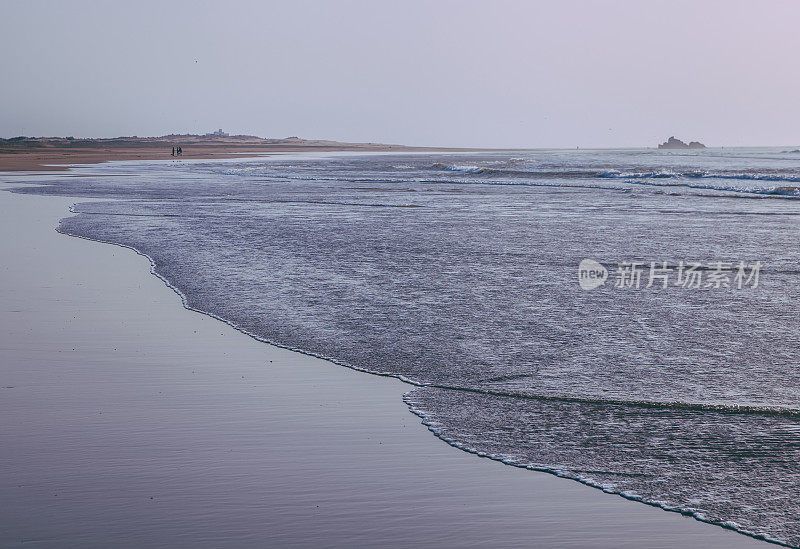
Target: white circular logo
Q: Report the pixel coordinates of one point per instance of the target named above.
(591, 274)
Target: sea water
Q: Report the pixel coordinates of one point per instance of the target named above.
(458, 273)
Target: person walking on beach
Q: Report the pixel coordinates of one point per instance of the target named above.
(173, 151)
(180, 151)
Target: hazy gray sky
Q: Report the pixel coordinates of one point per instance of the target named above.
(461, 73)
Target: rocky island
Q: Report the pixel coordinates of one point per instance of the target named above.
(673, 143)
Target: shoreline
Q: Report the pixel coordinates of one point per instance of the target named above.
(60, 160)
(448, 483)
(58, 154)
(425, 416)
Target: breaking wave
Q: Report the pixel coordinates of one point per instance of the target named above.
(791, 177)
(695, 174)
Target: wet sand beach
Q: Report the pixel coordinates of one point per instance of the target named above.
(129, 421)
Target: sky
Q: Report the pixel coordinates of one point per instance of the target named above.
(558, 73)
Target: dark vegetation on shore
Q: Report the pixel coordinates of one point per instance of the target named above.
(26, 144)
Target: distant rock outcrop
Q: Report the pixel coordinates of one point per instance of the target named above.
(673, 143)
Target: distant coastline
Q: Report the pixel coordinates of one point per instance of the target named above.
(56, 153)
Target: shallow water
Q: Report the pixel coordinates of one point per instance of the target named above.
(459, 272)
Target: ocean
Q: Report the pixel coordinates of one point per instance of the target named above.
(664, 370)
